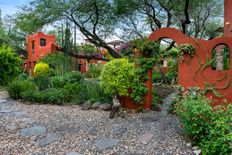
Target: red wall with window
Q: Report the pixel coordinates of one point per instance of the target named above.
(39, 45)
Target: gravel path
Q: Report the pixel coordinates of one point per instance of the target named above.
(49, 129)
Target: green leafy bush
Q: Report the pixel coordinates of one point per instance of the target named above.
(10, 64)
(42, 82)
(94, 72)
(33, 96)
(70, 77)
(58, 62)
(51, 95)
(18, 86)
(209, 128)
(71, 89)
(116, 76)
(95, 93)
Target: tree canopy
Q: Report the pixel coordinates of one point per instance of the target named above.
(98, 20)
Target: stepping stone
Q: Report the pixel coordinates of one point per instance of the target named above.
(28, 120)
(149, 119)
(10, 127)
(145, 138)
(105, 143)
(19, 113)
(73, 153)
(120, 131)
(36, 130)
(2, 100)
(47, 140)
(5, 109)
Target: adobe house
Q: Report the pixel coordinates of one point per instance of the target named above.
(39, 44)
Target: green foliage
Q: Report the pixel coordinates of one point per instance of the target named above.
(146, 47)
(186, 49)
(94, 72)
(116, 77)
(42, 82)
(69, 77)
(95, 93)
(42, 70)
(219, 140)
(58, 62)
(139, 89)
(208, 127)
(87, 48)
(18, 86)
(10, 64)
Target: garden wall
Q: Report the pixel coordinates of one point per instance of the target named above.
(198, 72)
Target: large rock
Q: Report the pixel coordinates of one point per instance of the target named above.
(96, 105)
(36, 130)
(145, 138)
(86, 106)
(47, 140)
(105, 143)
(105, 106)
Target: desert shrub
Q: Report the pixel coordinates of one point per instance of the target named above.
(116, 76)
(58, 82)
(33, 96)
(18, 86)
(94, 72)
(71, 89)
(208, 127)
(42, 82)
(70, 77)
(95, 93)
(58, 62)
(55, 96)
(74, 76)
(50, 95)
(23, 76)
(10, 64)
(42, 70)
(219, 138)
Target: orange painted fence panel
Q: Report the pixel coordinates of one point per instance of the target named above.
(195, 73)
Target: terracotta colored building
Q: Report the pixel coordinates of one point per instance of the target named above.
(39, 44)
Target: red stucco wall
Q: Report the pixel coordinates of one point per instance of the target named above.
(189, 75)
(39, 51)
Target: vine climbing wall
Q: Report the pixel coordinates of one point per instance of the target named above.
(197, 70)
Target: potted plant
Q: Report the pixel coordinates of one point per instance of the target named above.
(116, 79)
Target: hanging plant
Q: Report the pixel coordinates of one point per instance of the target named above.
(146, 48)
(186, 49)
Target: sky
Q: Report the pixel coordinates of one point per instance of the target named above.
(10, 7)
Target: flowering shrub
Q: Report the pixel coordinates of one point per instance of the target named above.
(208, 127)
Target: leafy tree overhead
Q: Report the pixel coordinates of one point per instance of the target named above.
(94, 18)
(101, 19)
